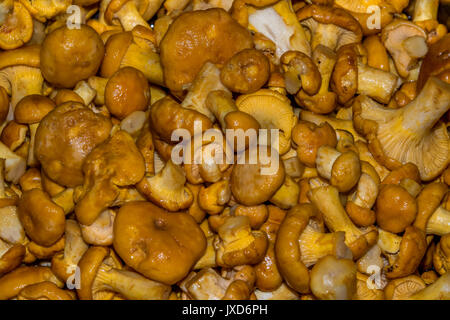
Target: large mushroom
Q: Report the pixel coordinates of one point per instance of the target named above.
(196, 37)
(61, 149)
(416, 137)
(160, 245)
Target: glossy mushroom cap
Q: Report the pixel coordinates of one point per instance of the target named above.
(42, 219)
(247, 71)
(32, 108)
(65, 137)
(127, 91)
(196, 37)
(249, 184)
(71, 55)
(396, 208)
(160, 245)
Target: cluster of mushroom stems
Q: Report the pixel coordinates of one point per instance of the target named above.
(93, 204)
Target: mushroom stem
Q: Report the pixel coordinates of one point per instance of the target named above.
(439, 222)
(327, 200)
(146, 61)
(280, 24)
(129, 16)
(388, 242)
(439, 290)
(99, 85)
(207, 80)
(85, 91)
(15, 165)
(131, 285)
(23, 81)
(31, 160)
(425, 10)
(377, 83)
(422, 113)
(315, 245)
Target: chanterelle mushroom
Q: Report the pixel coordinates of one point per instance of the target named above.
(416, 137)
(115, 163)
(65, 137)
(162, 246)
(406, 42)
(196, 37)
(63, 63)
(331, 27)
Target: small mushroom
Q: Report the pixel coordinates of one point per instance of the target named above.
(213, 198)
(246, 72)
(12, 283)
(327, 200)
(166, 115)
(287, 247)
(406, 42)
(98, 274)
(403, 288)
(343, 170)
(300, 72)
(316, 244)
(31, 110)
(42, 219)
(441, 256)
(20, 73)
(64, 263)
(127, 91)
(46, 290)
(309, 137)
(207, 284)
(129, 13)
(412, 249)
(167, 188)
(273, 111)
(330, 27)
(428, 201)
(64, 64)
(112, 164)
(324, 101)
(396, 208)
(132, 49)
(360, 203)
(236, 244)
(351, 75)
(439, 290)
(245, 176)
(17, 27)
(333, 279)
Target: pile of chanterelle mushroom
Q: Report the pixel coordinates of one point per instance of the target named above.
(95, 202)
